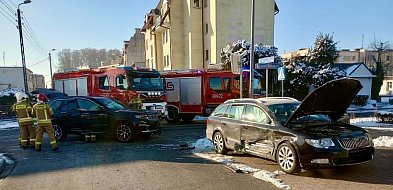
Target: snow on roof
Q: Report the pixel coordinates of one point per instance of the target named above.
(10, 91)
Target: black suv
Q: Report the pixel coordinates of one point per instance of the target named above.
(100, 115)
(296, 135)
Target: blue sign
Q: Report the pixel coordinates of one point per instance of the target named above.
(281, 73)
(267, 65)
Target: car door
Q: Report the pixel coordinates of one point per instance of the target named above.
(233, 125)
(70, 116)
(93, 117)
(256, 134)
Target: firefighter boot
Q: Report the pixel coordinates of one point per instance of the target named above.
(38, 147)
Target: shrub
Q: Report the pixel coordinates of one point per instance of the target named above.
(385, 118)
(360, 100)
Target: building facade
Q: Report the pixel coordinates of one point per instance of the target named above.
(12, 77)
(134, 49)
(38, 81)
(185, 34)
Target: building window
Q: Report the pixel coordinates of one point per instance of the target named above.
(388, 58)
(206, 28)
(148, 63)
(164, 60)
(151, 36)
(166, 36)
(151, 50)
(197, 4)
(163, 37)
(389, 86)
(147, 45)
(205, 3)
(353, 58)
(207, 55)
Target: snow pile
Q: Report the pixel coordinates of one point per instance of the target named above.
(370, 122)
(203, 145)
(4, 124)
(204, 149)
(10, 91)
(383, 141)
(6, 159)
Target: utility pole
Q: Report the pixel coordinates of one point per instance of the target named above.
(50, 66)
(252, 63)
(22, 48)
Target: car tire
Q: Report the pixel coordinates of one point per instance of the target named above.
(287, 158)
(124, 132)
(59, 132)
(173, 115)
(219, 143)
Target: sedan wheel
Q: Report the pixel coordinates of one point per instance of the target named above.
(219, 144)
(124, 133)
(287, 159)
(59, 132)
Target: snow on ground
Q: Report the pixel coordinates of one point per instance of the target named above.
(4, 124)
(204, 149)
(383, 141)
(6, 159)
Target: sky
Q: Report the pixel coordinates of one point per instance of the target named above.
(78, 24)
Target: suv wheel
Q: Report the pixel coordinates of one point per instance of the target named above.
(59, 132)
(287, 158)
(124, 132)
(219, 143)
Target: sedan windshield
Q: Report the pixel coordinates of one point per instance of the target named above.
(283, 111)
(111, 104)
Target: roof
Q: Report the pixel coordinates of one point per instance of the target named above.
(349, 68)
(279, 100)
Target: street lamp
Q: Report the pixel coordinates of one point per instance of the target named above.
(50, 66)
(22, 48)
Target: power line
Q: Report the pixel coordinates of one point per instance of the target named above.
(8, 13)
(7, 17)
(12, 3)
(38, 62)
(31, 31)
(8, 7)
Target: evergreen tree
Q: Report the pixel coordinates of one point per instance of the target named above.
(324, 51)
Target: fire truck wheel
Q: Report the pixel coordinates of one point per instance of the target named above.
(173, 116)
(124, 132)
(187, 117)
(60, 132)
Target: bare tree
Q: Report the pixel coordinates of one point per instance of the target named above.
(378, 49)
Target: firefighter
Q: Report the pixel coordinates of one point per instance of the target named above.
(43, 113)
(23, 112)
(136, 103)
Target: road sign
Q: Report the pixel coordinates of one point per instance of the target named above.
(266, 60)
(281, 73)
(267, 66)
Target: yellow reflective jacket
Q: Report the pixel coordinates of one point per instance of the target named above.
(136, 103)
(23, 112)
(43, 112)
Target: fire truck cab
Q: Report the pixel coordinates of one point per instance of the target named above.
(122, 83)
(199, 92)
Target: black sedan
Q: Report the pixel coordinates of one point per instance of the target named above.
(296, 135)
(100, 115)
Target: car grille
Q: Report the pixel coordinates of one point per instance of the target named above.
(355, 156)
(357, 142)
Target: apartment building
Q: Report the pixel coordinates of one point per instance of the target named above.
(134, 49)
(185, 34)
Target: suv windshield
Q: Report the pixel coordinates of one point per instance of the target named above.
(111, 104)
(153, 83)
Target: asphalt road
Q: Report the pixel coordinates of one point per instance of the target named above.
(157, 163)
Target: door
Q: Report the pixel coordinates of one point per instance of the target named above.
(69, 115)
(256, 134)
(93, 117)
(232, 126)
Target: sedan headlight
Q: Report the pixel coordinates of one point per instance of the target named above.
(320, 143)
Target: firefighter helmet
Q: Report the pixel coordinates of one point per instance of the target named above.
(20, 96)
(41, 97)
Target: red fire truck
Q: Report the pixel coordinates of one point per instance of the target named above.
(199, 92)
(122, 83)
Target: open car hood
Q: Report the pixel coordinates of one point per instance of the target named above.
(332, 99)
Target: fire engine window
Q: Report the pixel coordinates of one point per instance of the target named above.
(103, 83)
(215, 83)
(227, 83)
(121, 82)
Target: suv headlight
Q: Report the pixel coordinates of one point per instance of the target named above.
(320, 143)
